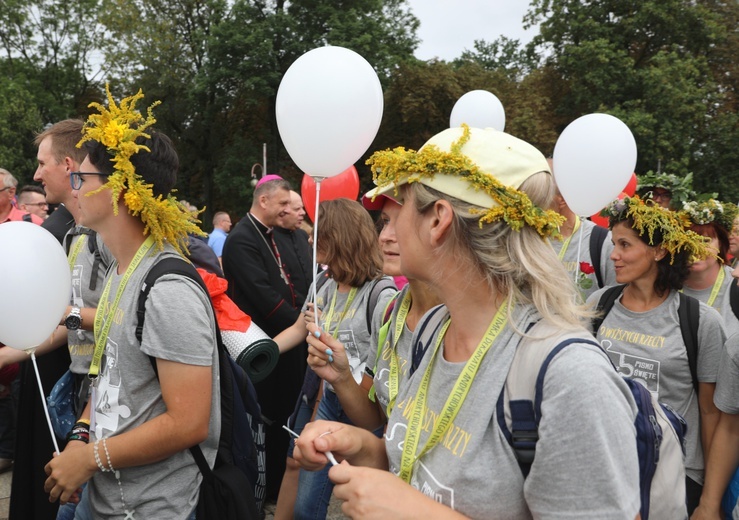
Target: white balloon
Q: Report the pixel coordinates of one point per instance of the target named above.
(594, 159)
(479, 109)
(36, 284)
(329, 108)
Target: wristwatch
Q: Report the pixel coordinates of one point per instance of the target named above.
(73, 321)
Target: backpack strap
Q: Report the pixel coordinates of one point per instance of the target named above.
(605, 304)
(689, 315)
(180, 266)
(597, 238)
(426, 330)
(734, 298)
(527, 383)
(385, 325)
(92, 247)
(378, 287)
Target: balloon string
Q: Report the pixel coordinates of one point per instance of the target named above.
(579, 249)
(43, 402)
(315, 248)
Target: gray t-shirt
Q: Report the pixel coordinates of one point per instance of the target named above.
(726, 396)
(350, 326)
(587, 283)
(649, 347)
(585, 465)
(81, 342)
(722, 303)
(403, 351)
(179, 327)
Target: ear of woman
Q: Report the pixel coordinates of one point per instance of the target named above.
(442, 216)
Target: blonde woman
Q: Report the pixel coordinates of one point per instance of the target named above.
(467, 231)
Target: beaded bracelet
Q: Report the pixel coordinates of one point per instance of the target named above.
(129, 514)
(99, 462)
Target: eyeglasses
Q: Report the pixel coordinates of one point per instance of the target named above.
(39, 204)
(661, 195)
(75, 178)
(5, 188)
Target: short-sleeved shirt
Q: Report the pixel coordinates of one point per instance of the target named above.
(81, 342)
(726, 396)
(16, 215)
(348, 321)
(648, 347)
(722, 302)
(585, 466)
(179, 327)
(216, 240)
(580, 240)
(402, 351)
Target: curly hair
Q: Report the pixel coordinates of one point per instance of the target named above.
(672, 271)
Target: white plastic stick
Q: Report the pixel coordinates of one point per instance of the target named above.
(43, 402)
(315, 247)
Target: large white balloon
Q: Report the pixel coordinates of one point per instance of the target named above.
(36, 284)
(329, 108)
(594, 159)
(479, 109)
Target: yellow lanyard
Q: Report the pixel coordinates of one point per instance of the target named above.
(457, 396)
(394, 376)
(716, 286)
(102, 330)
(340, 318)
(566, 243)
(76, 251)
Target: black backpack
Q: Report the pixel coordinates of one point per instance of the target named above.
(688, 315)
(236, 486)
(597, 238)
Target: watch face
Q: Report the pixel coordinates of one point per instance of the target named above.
(73, 322)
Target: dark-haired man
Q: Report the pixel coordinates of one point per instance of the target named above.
(152, 400)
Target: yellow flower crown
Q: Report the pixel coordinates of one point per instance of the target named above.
(117, 128)
(649, 218)
(399, 165)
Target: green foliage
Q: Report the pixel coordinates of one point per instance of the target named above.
(19, 122)
(649, 63)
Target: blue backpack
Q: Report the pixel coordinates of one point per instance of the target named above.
(236, 486)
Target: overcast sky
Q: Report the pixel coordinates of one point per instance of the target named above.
(448, 27)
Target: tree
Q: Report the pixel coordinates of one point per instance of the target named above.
(216, 66)
(19, 121)
(648, 63)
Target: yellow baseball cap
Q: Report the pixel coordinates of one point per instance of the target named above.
(496, 154)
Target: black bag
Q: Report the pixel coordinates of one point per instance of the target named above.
(235, 487)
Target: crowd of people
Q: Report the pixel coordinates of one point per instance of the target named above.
(395, 358)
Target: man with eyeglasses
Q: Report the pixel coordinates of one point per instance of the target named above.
(33, 200)
(8, 211)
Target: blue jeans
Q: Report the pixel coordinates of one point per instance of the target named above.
(314, 487)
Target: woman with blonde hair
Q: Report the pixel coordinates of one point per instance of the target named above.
(479, 242)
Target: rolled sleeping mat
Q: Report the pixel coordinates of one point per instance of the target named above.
(253, 350)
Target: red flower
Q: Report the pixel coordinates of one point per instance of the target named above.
(586, 268)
